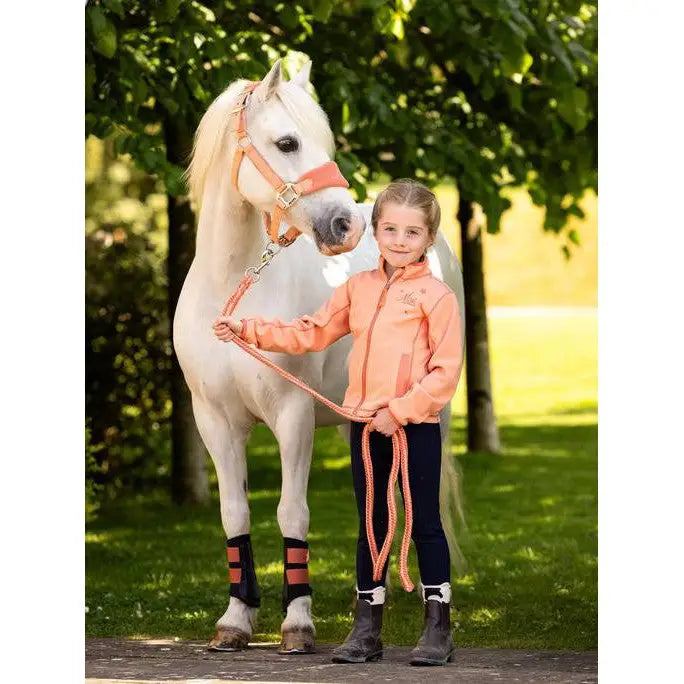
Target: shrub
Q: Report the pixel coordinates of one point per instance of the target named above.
(127, 346)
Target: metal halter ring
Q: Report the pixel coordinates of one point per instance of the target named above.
(247, 142)
(254, 273)
(271, 250)
(287, 202)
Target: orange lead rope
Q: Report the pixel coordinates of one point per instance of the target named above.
(399, 457)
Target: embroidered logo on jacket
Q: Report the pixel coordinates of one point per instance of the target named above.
(409, 298)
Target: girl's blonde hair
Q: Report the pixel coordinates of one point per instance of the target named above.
(413, 194)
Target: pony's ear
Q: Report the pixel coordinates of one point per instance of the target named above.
(268, 86)
(301, 78)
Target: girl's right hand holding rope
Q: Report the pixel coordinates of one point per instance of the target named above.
(226, 327)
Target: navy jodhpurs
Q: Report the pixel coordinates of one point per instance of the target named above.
(425, 455)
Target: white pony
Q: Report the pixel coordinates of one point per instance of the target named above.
(231, 391)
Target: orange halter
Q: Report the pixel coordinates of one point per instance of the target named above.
(327, 175)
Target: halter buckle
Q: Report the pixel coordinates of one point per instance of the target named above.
(286, 201)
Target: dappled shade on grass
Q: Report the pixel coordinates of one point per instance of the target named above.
(156, 570)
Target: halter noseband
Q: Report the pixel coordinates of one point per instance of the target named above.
(326, 175)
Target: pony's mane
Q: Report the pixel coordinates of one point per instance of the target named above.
(211, 139)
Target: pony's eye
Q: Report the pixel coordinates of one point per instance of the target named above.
(287, 144)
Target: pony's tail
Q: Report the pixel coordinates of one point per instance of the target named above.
(451, 495)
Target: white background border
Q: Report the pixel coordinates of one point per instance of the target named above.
(641, 341)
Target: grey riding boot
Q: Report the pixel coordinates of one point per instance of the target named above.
(436, 645)
(363, 643)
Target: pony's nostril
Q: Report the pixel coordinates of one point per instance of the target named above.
(340, 226)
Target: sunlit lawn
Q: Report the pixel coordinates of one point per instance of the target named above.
(524, 265)
(154, 570)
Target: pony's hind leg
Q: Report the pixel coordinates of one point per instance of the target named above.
(226, 445)
(293, 429)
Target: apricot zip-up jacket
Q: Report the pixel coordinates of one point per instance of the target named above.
(406, 353)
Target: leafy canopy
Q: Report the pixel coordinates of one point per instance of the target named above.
(491, 94)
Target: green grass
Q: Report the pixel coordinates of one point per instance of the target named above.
(157, 571)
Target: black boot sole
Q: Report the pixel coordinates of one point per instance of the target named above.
(427, 662)
(362, 659)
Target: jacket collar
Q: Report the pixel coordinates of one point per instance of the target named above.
(414, 270)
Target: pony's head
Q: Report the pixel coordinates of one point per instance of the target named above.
(291, 132)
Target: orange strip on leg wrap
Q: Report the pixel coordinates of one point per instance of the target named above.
(297, 576)
(235, 575)
(298, 555)
(233, 554)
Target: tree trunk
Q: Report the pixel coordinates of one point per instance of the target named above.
(189, 481)
(483, 431)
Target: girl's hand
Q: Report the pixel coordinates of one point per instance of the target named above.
(384, 422)
(225, 327)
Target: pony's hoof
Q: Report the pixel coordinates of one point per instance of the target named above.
(228, 639)
(297, 641)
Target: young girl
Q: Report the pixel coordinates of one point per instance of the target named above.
(403, 368)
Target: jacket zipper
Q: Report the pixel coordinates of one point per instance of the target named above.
(380, 303)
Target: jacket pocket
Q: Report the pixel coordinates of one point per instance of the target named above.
(403, 376)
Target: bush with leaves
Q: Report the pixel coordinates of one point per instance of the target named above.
(92, 472)
(127, 329)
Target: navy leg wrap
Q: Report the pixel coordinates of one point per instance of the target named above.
(243, 581)
(295, 570)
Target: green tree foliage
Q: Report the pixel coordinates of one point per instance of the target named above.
(92, 473)
(127, 343)
(159, 62)
(491, 94)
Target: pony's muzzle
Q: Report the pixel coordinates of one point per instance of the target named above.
(338, 230)
(357, 226)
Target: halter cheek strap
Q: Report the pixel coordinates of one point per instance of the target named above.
(327, 175)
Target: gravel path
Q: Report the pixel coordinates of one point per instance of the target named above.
(118, 660)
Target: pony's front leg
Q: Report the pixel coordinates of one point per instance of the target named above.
(226, 445)
(294, 429)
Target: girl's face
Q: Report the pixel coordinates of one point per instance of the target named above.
(402, 234)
